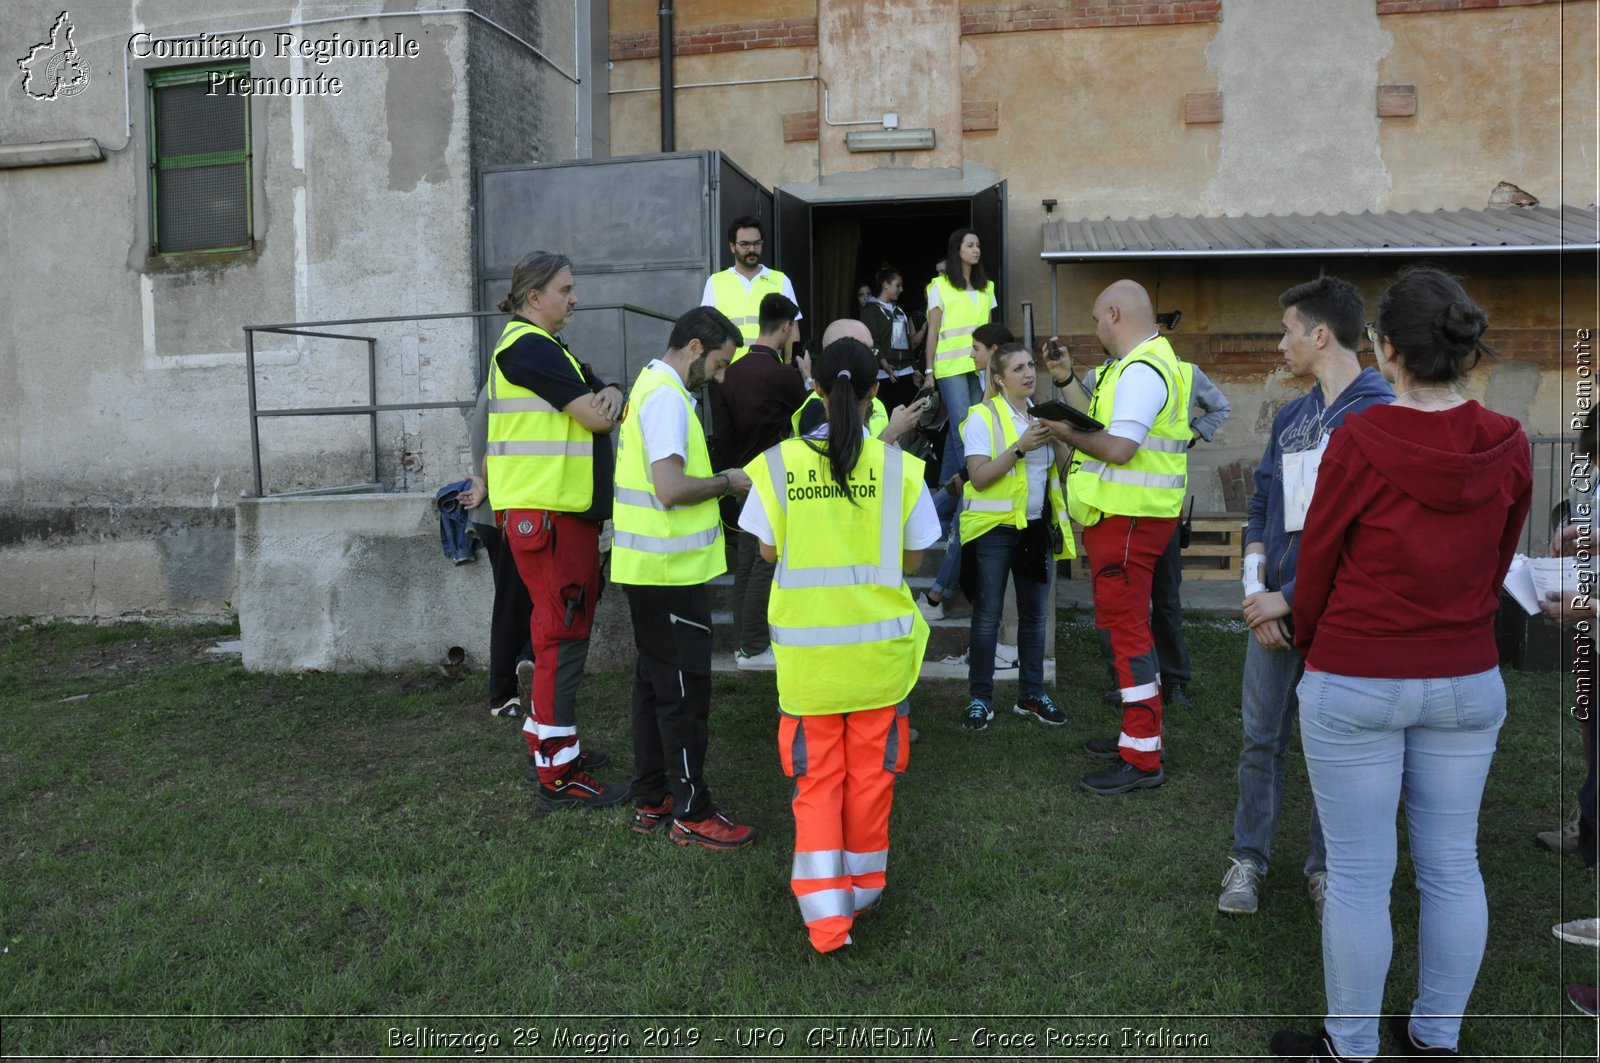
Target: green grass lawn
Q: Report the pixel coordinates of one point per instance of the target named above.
(200, 861)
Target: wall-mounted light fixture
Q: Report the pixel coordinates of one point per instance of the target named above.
(1048, 204)
(50, 153)
(1169, 321)
(889, 139)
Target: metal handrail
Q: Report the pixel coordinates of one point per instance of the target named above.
(372, 407)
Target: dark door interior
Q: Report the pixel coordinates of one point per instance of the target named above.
(792, 253)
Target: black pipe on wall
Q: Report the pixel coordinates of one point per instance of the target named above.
(668, 135)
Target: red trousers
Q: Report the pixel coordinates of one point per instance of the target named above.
(1123, 552)
(844, 767)
(558, 558)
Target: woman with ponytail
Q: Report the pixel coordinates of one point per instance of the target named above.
(843, 517)
(1418, 509)
(1013, 515)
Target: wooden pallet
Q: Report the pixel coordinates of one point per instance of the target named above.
(1216, 548)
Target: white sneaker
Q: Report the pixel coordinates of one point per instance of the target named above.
(930, 610)
(1579, 931)
(1239, 889)
(761, 662)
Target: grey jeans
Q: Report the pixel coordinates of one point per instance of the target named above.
(752, 585)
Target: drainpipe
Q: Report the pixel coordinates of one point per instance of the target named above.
(668, 137)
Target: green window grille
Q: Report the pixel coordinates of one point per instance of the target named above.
(199, 162)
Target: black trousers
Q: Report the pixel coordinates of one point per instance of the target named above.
(508, 617)
(671, 696)
(1166, 615)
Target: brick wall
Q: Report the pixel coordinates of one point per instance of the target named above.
(1406, 7)
(724, 37)
(1080, 14)
(1226, 353)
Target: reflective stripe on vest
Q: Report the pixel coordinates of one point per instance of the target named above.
(1153, 482)
(1005, 502)
(959, 319)
(743, 305)
(656, 545)
(846, 632)
(536, 456)
(886, 573)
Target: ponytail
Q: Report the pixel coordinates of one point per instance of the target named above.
(846, 372)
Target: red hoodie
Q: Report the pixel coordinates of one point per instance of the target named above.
(1414, 521)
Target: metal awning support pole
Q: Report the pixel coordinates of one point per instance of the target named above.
(668, 136)
(1055, 326)
(372, 400)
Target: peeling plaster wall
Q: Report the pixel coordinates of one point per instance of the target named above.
(124, 372)
(1299, 129)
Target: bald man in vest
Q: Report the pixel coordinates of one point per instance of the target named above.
(1126, 488)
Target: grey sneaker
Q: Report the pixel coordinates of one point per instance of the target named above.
(1317, 887)
(1563, 841)
(978, 716)
(1240, 889)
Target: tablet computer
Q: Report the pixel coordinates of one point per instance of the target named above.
(1056, 410)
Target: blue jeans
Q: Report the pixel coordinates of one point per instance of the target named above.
(1366, 742)
(993, 553)
(1269, 707)
(958, 394)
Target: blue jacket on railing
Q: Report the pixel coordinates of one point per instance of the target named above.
(455, 530)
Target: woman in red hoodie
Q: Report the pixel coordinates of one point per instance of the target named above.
(1417, 511)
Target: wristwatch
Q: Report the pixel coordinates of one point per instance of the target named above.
(1019, 453)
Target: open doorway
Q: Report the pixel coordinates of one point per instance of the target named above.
(852, 241)
(828, 249)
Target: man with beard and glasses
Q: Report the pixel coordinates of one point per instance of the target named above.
(668, 546)
(738, 290)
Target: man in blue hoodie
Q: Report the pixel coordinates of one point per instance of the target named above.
(1322, 325)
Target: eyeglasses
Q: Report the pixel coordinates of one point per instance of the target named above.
(748, 245)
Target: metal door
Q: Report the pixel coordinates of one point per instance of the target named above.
(792, 254)
(989, 221)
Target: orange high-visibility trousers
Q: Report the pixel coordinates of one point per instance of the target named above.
(844, 767)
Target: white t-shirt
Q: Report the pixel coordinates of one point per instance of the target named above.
(1141, 393)
(708, 296)
(975, 436)
(922, 527)
(664, 419)
(975, 295)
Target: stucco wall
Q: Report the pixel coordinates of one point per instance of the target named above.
(122, 378)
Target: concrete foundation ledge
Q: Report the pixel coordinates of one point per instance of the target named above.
(359, 583)
(116, 562)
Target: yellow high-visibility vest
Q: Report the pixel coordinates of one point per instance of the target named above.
(655, 545)
(743, 305)
(959, 319)
(846, 631)
(877, 418)
(1006, 500)
(1155, 480)
(537, 456)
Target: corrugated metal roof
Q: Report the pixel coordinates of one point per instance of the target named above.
(1440, 232)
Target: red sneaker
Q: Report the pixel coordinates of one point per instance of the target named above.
(581, 788)
(716, 831)
(646, 818)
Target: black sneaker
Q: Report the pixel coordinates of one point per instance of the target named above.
(1112, 696)
(1041, 708)
(1121, 779)
(1104, 748)
(1303, 1047)
(580, 788)
(978, 716)
(511, 710)
(1177, 695)
(1400, 1030)
(588, 760)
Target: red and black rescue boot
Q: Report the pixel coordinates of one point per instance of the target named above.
(581, 788)
(1410, 1047)
(716, 831)
(648, 816)
(588, 761)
